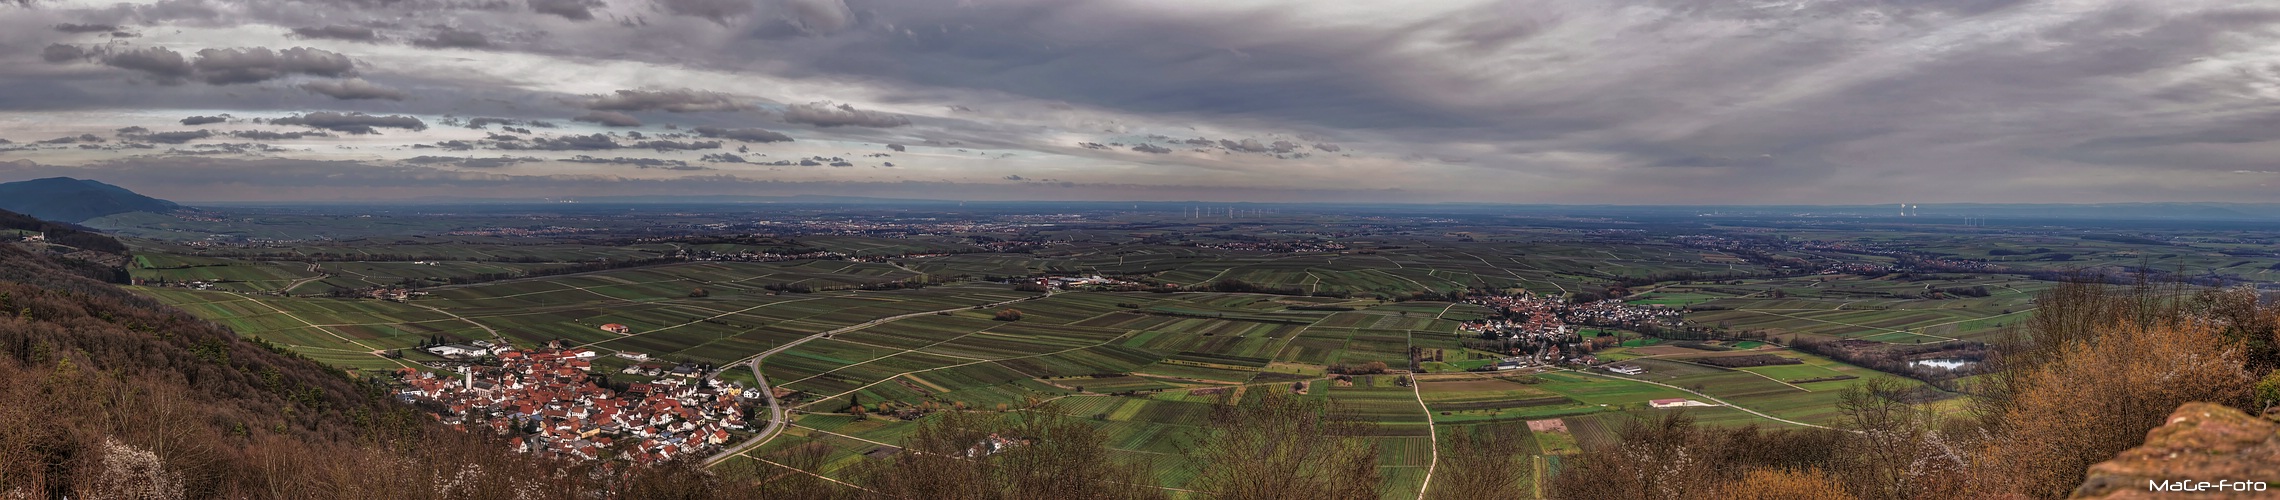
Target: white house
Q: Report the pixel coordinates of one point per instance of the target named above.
(458, 351)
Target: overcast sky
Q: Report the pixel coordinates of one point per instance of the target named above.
(1589, 101)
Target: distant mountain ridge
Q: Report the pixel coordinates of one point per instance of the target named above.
(65, 199)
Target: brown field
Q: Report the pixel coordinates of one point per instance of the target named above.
(1548, 425)
(1478, 389)
(1660, 350)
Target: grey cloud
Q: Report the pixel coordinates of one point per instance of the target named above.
(719, 11)
(281, 179)
(454, 38)
(202, 120)
(85, 28)
(480, 122)
(217, 149)
(433, 160)
(469, 162)
(1247, 146)
(353, 89)
(724, 158)
(60, 53)
(575, 10)
(175, 137)
(131, 130)
(664, 146)
(1283, 146)
(1151, 148)
(743, 134)
(638, 162)
(567, 143)
(352, 123)
(337, 33)
(264, 135)
(493, 162)
(824, 114)
(896, 147)
(1770, 102)
(818, 17)
(257, 64)
(677, 101)
(73, 139)
(609, 118)
(1241, 62)
(165, 66)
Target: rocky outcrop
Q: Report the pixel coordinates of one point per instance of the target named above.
(2202, 443)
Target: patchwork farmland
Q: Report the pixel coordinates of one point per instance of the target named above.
(864, 337)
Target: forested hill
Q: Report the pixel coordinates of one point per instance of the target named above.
(75, 200)
(61, 234)
(79, 251)
(106, 394)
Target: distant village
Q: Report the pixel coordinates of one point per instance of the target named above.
(1080, 282)
(547, 399)
(1276, 246)
(1542, 330)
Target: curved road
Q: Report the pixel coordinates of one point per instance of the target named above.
(776, 416)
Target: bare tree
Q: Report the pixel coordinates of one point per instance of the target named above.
(1034, 454)
(1272, 445)
(1486, 463)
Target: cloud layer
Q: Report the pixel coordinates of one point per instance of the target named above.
(1589, 101)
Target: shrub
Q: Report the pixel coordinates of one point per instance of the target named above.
(2268, 391)
(2094, 399)
(1008, 315)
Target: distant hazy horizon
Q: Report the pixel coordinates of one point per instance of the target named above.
(1567, 102)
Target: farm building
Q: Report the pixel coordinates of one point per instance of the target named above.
(458, 351)
(617, 329)
(1676, 402)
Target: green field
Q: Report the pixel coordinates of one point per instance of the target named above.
(1147, 360)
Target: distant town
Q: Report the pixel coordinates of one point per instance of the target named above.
(548, 401)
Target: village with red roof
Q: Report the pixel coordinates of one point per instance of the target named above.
(546, 399)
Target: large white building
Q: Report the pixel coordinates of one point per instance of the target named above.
(458, 351)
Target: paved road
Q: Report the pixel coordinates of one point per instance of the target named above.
(776, 416)
(775, 421)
